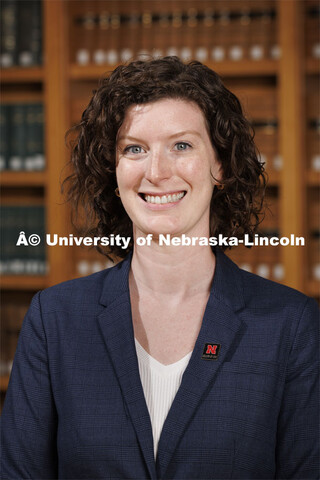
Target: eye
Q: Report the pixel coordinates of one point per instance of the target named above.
(135, 149)
(181, 146)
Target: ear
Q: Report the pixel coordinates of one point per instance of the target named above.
(216, 172)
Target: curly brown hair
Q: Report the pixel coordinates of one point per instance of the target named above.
(235, 209)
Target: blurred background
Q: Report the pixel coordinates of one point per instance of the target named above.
(53, 53)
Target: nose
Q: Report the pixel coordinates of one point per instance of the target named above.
(158, 167)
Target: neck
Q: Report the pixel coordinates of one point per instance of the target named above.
(172, 270)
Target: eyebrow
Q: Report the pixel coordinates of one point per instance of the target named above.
(178, 134)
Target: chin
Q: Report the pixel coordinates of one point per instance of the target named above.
(162, 229)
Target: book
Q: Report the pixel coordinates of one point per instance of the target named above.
(17, 136)
(9, 28)
(22, 136)
(29, 36)
(27, 222)
(4, 131)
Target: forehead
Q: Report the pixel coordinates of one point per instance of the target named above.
(163, 116)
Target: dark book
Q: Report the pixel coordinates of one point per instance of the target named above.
(9, 26)
(17, 136)
(29, 38)
(34, 155)
(23, 259)
(130, 27)
(86, 34)
(4, 131)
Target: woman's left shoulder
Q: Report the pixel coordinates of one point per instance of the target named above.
(264, 293)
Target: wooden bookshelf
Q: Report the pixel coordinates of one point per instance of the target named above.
(23, 179)
(225, 68)
(23, 282)
(22, 75)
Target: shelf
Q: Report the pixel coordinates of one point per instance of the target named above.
(313, 178)
(4, 381)
(23, 282)
(22, 75)
(224, 68)
(22, 179)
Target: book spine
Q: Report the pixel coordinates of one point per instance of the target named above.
(188, 34)
(203, 32)
(112, 54)
(39, 161)
(128, 28)
(176, 25)
(86, 30)
(103, 26)
(3, 240)
(9, 27)
(34, 155)
(312, 30)
(164, 28)
(4, 136)
(222, 25)
(29, 33)
(17, 136)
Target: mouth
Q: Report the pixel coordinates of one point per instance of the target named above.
(163, 199)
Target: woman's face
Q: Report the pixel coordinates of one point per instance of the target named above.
(165, 164)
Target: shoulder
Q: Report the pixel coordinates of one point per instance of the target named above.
(79, 292)
(280, 305)
(263, 292)
(255, 291)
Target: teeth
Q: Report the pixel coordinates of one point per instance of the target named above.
(164, 199)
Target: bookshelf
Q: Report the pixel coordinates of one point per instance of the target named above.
(277, 93)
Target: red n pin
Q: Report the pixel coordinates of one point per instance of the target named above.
(211, 351)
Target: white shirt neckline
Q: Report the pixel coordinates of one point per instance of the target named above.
(159, 367)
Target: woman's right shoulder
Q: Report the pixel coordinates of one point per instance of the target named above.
(73, 293)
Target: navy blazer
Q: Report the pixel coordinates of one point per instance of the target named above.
(75, 406)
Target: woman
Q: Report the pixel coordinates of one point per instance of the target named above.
(173, 364)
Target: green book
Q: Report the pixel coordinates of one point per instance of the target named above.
(17, 139)
(4, 136)
(8, 36)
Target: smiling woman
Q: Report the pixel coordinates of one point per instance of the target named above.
(208, 113)
(173, 364)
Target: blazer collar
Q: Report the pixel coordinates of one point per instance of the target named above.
(220, 325)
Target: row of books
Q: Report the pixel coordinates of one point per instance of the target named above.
(21, 33)
(267, 141)
(312, 29)
(22, 136)
(109, 35)
(23, 240)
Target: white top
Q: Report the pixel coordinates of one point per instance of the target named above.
(160, 384)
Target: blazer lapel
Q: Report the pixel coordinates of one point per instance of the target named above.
(116, 327)
(220, 326)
